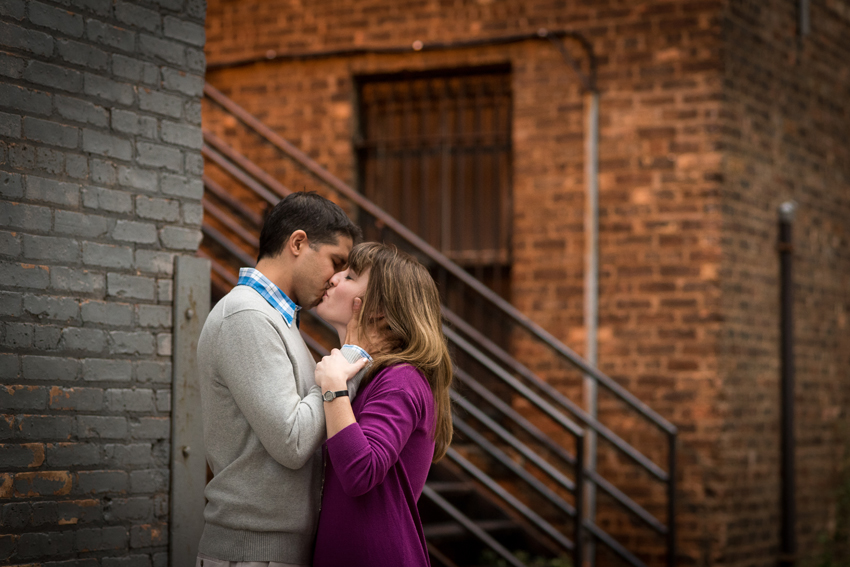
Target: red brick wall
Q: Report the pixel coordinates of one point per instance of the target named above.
(688, 290)
(786, 135)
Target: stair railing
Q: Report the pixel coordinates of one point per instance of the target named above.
(461, 334)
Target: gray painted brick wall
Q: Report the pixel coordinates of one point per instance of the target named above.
(99, 191)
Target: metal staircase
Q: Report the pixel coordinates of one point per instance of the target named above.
(510, 490)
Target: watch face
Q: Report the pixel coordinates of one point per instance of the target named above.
(328, 396)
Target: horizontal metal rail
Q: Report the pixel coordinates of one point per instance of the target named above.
(558, 450)
(504, 460)
(220, 270)
(227, 220)
(382, 218)
(613, 545)
(515, 443)
(335, 183)
(536, 520)
(227, 244)
(249, 166)
(600, 481)
(224, 196)
(240, 175)
(514, 416)
(553, 393)
(500, 456)
(460, 518)
(314, 345)
(521, 388)
(603, 484)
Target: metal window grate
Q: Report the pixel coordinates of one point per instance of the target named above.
(434, 151)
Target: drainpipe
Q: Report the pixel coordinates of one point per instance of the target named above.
(591, 276)
(788, 540)
(591, 266)
(591, 306)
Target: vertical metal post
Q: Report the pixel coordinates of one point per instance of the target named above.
(671, 500)
(578, 534)
(188, 463)
(804, 20)
(591, 302)
(788, 539)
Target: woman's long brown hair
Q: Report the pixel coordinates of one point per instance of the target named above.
(402, 291)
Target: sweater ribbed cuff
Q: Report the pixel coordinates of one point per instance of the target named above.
(353, 353)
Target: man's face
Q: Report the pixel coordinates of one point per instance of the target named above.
(314, 268)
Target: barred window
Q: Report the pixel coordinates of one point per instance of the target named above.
(434, 151)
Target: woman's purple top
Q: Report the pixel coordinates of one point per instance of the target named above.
(374, 473)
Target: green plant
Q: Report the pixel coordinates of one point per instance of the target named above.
(835, 548)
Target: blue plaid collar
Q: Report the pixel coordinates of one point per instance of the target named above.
(254, 279)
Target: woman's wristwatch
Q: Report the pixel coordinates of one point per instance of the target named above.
(331, 396)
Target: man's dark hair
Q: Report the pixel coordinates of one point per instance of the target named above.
(322, 220)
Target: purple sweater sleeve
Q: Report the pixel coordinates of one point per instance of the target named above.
(364, 452)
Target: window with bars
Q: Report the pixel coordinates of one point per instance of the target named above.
(434, 151)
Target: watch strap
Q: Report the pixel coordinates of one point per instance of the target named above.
(330, 396)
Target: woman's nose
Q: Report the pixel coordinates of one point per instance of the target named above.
(335, 279)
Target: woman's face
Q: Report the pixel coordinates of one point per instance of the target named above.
(337, 302)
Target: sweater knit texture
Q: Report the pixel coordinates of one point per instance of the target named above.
(263, 426)
(374, 474)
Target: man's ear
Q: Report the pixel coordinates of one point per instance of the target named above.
(297, 241)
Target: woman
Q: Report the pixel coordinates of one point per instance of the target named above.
(380, 447)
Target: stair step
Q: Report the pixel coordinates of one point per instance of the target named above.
(447, 487)
(453, 529)
(438, 558)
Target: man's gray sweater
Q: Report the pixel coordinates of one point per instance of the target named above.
(263, 426)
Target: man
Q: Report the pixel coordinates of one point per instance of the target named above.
(262, 411)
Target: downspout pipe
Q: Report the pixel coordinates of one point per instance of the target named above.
(591, 301)
(787, 536)
(591, 268)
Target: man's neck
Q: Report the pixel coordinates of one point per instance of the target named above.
(276, 272)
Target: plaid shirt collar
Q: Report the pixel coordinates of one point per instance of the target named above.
(271, 293)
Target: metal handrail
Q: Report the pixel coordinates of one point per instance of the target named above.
(338, 185)
(245, 179)
(227, 244)
(489, 447)
(218, 268)
(227, 221)
(556, 449)
(225, 197)
(511, 500)
(515, 443)
(256, 171)
(258, 181)
(590, 422)
(460, 518)
(593, 529)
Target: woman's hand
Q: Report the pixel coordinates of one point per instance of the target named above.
(333, 371)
